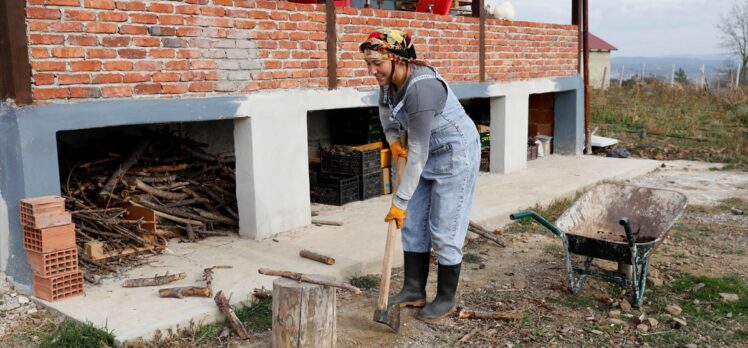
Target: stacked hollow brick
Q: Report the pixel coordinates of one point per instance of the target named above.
(49, 240)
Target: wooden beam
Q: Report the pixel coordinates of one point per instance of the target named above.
(482, 40)
(16, 74)
(332, 46)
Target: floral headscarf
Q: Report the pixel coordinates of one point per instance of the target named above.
(389, 44)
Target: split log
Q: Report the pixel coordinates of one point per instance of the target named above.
(262, 293)
(156, 179)
(122, 170)
(491, 315)
(167, 168)
(191, 236)
(181, 292)
(300, 277)
(481, 231)
(223, 305)
(159, 193)
(317, 257)
(303, 314)
(326, 222)
(153, 281)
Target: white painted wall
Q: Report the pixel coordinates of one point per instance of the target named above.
(600, 69)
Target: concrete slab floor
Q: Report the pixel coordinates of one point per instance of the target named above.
(357, 246)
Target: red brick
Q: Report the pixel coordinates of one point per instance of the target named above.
(158, 30)
(162, 53)
(116, 91)
(66, 27)
(100, 53)
(224, 2)
(44, 79)
(149, 88)
(259, 14)
(38, 25)
(101, 4)
(187, 31)
(187, 9)
(177, 65)
(73, 79)
(43, 39)
(212, 11)
(107, 78)
(63, 2)
(85, 92)
(148, 65)
(43, 13)
(133, 29)
(131, 53)
(86, 65)
(165, 77)
(136, 77)
(171, 19)
(128, 5)
(202, 87)
(53, 263)
(58, 287)
(175, 89)
(279, 16)
(163, 8)
(115, 41)
(118, 65)
(145, 18)
(68, 52)
(147, 41)
(189, 54)
(245, 24)
(39, 52)
(202, 64)
(78, 15)
(197, 2)
(112, 16)
(289, 84)
(83, 40)
(50, 93)
(270, 5)
(108, 28)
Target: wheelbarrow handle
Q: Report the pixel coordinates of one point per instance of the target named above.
(531, 214)
(627, 227)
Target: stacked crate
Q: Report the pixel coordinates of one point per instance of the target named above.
(361, 162)
(49, 240)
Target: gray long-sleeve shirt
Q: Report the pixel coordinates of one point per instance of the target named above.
(424, 99)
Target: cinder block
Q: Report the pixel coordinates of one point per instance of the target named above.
(45, 220)
(227, 64)
(237, 53)
(44, 240)
(58, 287)
(53, 263)
(227, 86)
(239, 75)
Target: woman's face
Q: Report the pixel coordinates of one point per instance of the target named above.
(381, 69)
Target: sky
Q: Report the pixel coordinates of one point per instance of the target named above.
(641, 28)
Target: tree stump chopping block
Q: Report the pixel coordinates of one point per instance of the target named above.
(303, 314)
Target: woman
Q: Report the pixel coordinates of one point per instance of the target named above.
(443, 152)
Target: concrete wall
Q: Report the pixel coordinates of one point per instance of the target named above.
(600, 69)
(270, 141)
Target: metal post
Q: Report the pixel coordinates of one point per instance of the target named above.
(332, 45)
(15, 76)
(586, 47)
(482, 41)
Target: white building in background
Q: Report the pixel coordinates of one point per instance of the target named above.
(600, 62)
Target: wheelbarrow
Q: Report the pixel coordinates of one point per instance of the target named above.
(620, 223)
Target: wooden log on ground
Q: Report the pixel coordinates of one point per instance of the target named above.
(300, 277)
(317, 257)
(223, 305)
(153, 281)
(326, 222)
(180, 292)
(481, 231)
(122, 169)
(191, 236)
(262, 293)
(490, 315)
(303, 314)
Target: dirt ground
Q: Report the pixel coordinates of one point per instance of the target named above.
(526, 277)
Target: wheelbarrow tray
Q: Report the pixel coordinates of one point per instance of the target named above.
(593, 223)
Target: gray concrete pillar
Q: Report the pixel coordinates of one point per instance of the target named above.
(509, 118)
(568, 133)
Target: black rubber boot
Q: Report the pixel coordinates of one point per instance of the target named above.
(416, 272)
(444, 302)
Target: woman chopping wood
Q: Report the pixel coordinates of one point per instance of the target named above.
(432, 204)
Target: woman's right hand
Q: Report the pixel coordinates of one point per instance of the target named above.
(398, 150)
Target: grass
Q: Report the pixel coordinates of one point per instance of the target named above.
(75, 334)
(655, 121)
(208, 332)
(257, 316)
(366, 282)
(472, 258)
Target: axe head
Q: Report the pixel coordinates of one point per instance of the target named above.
(389, 317)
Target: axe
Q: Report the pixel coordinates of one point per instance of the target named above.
(386, 314)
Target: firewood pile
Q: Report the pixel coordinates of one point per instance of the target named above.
(129, 196)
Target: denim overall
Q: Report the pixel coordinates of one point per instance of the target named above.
(439, 210)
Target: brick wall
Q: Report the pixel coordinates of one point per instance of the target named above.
(541, 118)
(131, 48)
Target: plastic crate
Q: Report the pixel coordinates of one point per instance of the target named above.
(335, 189)
(371, 185)
(352, 163)
(58, 287)
(54, 263)
(44, 240)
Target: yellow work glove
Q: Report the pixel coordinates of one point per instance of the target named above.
(398, 150)
(396, 214)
